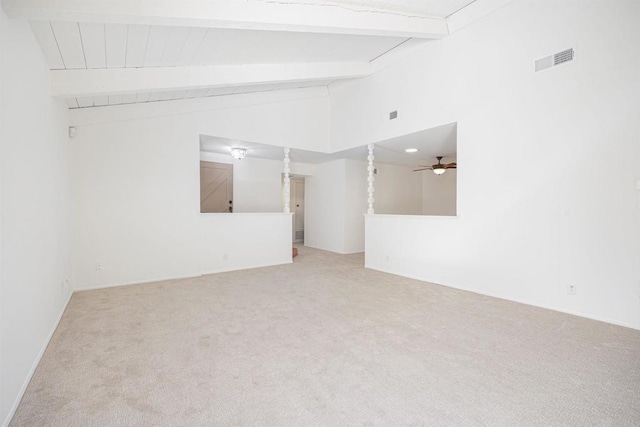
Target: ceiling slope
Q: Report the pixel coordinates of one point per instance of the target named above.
(246, 15)
(104, 52)
(100, 82)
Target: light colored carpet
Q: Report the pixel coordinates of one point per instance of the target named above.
(325, 342)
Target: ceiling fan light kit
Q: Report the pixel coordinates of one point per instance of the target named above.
(438, 168)
(439, 171)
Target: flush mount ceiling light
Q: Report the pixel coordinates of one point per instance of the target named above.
(411, 150)
(239, 153)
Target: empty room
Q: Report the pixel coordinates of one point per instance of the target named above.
(319, 212)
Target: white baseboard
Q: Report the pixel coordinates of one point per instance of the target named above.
(206, 273)
(35, 364)
(165, 279)
(335, 252)
(117, 285)
(520, 301)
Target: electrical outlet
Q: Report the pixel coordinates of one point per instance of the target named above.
(572, 289)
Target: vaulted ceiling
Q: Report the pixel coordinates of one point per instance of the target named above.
(103, 53)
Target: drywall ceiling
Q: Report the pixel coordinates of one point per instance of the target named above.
(438, 141)
(217, 145)
(431, 143)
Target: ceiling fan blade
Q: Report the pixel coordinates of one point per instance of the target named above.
(451, 166)
(423, 169)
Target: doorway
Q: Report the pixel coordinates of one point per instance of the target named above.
(297, 207)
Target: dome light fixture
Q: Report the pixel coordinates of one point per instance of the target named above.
(238, 153)
(439, 170)
(411, 150)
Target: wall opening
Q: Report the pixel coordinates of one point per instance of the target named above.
(416, 174)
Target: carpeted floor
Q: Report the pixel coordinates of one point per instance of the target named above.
(325, 342)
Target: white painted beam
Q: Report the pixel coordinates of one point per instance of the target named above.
(256, 15)
(97, 82)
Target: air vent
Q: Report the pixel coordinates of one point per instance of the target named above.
(553, 60)
(564, 56)
(544, 63)
(393, 115)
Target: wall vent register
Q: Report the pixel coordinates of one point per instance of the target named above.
(554, 60)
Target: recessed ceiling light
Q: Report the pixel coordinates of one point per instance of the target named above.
(411, 150)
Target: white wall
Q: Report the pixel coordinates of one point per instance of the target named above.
(355, 205)
(136, 186)
(35, 263)
(561, 206)
(257, 185)
(244, 240)
(439, 192)
(335, 201)
(324, 196)
(297, 118)
(398, 190)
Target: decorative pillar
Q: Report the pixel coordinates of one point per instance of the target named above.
(287, 182)
(370, 179)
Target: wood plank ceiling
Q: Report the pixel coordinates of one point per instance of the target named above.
(73, 45)
(69, 45)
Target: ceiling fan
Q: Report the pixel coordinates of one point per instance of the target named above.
(439, 168)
